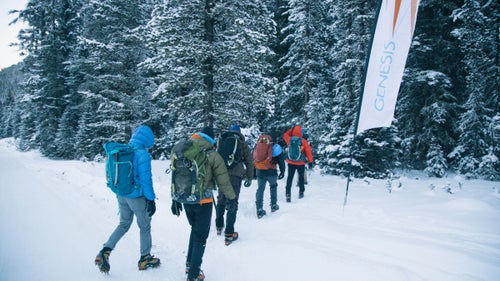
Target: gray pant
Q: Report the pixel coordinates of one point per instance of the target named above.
(129, 207)
(262, 179)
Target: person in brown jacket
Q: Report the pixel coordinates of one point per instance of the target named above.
(199, 214)
(299, 163)
(239, 168)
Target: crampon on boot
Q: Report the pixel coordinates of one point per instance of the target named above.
(274, 207)
(261, 213)
(148, 261)
(230, 238)
(200, 277)
(219, 230)
(102, 260)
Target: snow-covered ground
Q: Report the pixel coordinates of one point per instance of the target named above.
(55, 215)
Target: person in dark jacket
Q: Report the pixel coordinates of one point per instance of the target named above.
(199, 214)
(299, 165)
(139, 203)
(243, 169)
(269, 174)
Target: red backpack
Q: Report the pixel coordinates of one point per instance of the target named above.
(263, 152)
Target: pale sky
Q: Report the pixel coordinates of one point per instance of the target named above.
(8, 33)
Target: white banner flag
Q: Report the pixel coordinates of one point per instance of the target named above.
(390, 45)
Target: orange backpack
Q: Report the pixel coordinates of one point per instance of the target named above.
(263, 152)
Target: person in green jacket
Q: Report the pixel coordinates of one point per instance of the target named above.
(199, 214)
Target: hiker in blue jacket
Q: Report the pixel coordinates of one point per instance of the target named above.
(139, 203)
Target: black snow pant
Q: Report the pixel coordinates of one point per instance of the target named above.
(199, 217)
(289, 180)
(221, 207)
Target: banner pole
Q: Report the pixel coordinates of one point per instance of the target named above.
(363, 81)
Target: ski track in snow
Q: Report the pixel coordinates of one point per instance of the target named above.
(55, 215)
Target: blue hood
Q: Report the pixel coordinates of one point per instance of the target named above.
(142, 137)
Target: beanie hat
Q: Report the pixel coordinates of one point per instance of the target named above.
(271, 134)
(209, 132)
(235, 127)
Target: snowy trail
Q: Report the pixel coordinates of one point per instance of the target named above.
(35, 232)
(55, 215)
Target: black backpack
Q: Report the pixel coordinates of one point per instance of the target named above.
(229, 148)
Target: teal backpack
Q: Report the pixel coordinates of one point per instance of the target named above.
(295, 149)
(120, 167)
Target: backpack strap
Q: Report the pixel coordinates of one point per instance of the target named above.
(234, 150)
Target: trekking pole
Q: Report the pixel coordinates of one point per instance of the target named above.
(215, 203)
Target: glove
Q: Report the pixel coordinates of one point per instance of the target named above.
(247, 183)
(150, 207)
(310, 165)
(176, 208)
(231, 205)
(281, 175)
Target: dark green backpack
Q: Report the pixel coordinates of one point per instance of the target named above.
(188, 165)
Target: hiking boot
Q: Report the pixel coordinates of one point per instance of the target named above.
(148, 261)
(261, 213)
(288, 198)
(274, 207)
(230, 238)
(301, 195)
(102, 260)
(200, 277)
(219, 230)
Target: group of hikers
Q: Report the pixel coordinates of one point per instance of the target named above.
(204, 164)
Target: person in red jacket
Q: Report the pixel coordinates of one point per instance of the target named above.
(297, 163)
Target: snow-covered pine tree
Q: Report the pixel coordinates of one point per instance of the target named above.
(478, 34)
(304, 63)
(180, 35)
(47, 42)
(11, 79)
(351, 28)
(65, 135)
(279, 9)
(426, 111)
(436, 161)
(376, 152)
(211, 68)
(87, 146)
(68, 123)
(112, 86)
(430, 94)
(243, 85)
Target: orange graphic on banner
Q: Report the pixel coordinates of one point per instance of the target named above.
(397, 6)
(396, 13)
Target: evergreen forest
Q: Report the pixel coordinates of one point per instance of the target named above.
(95, 69)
